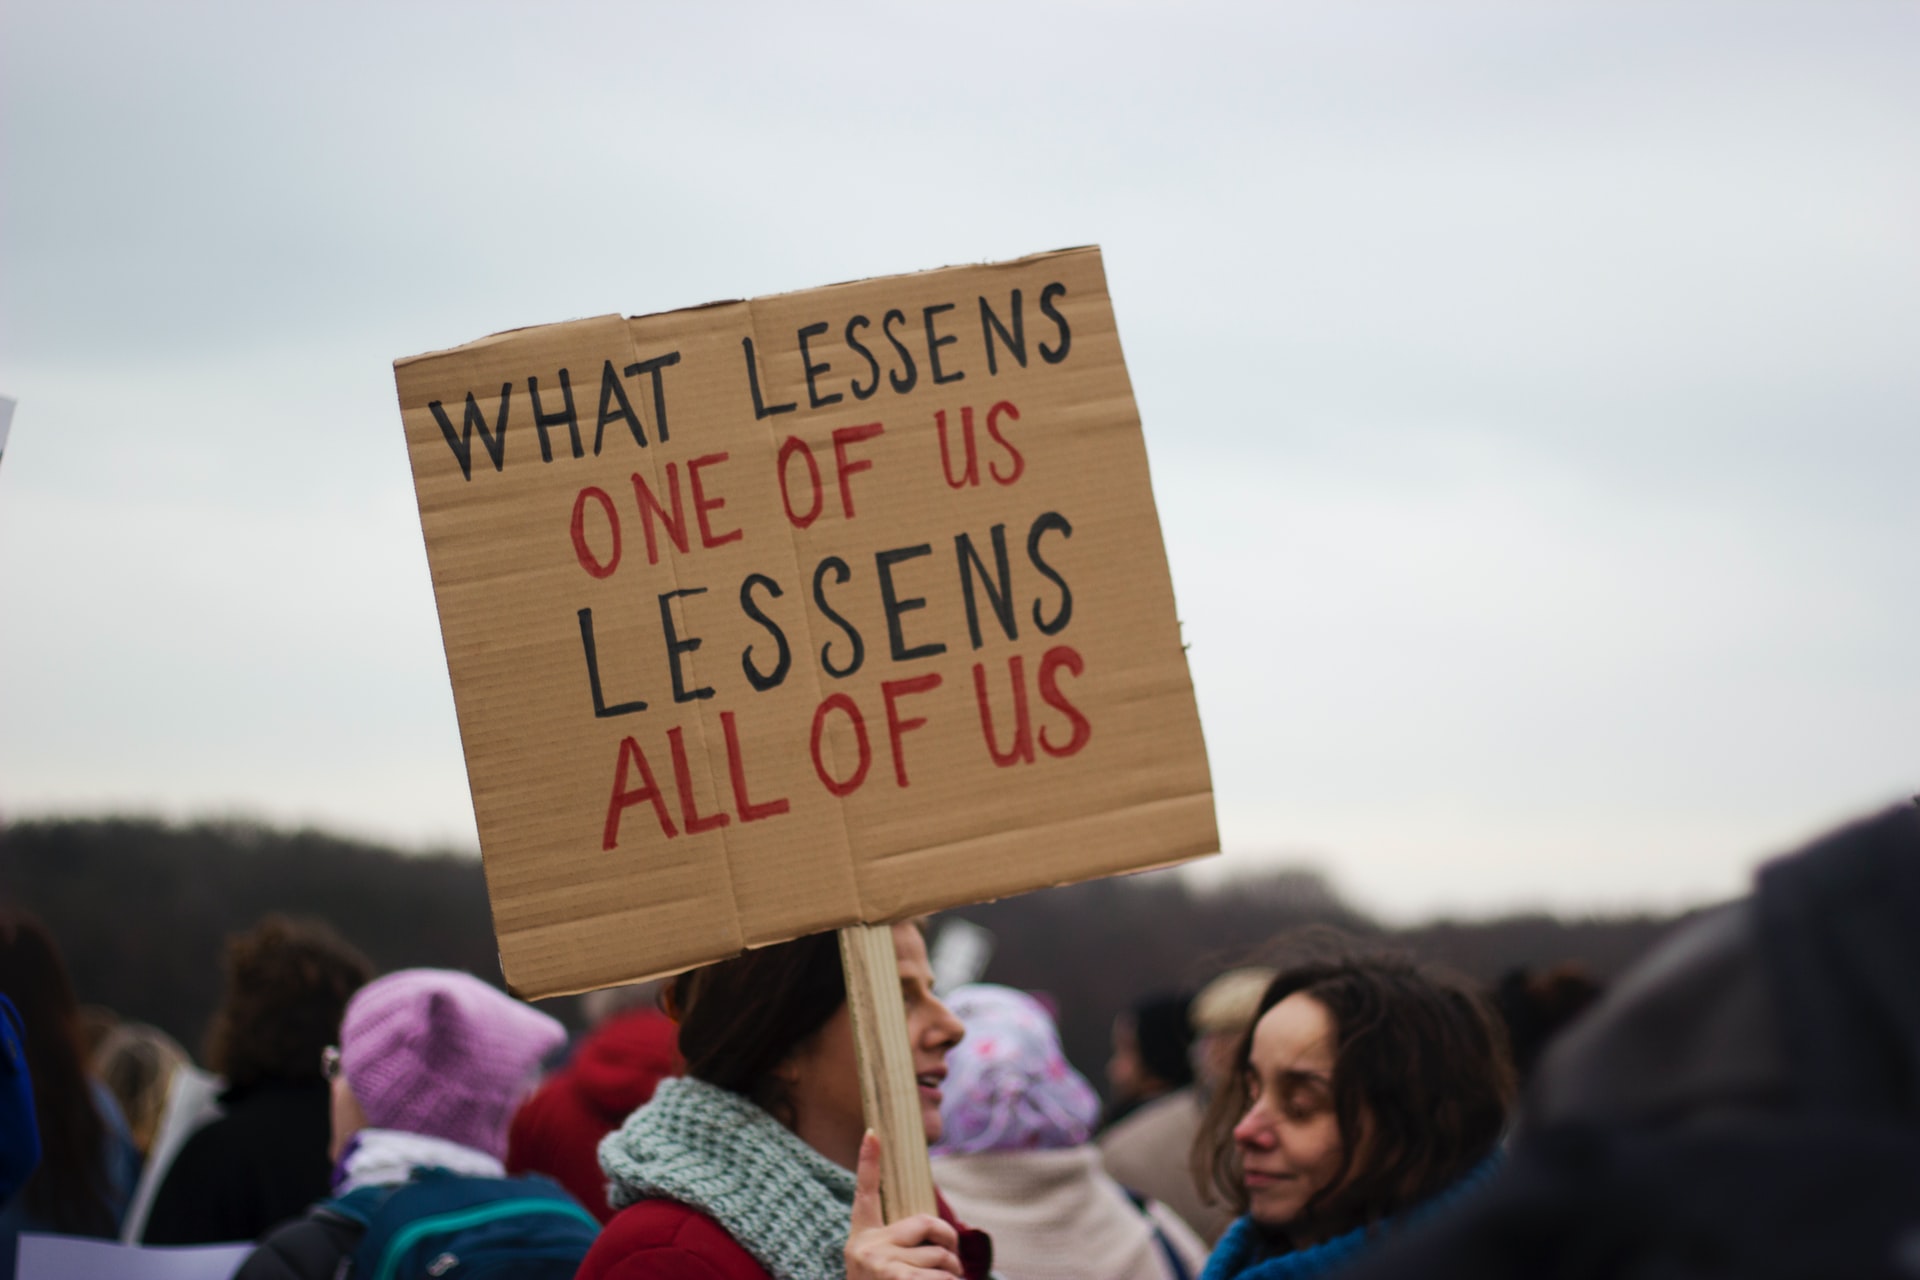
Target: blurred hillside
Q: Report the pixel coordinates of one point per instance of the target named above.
(1097, 947)
(142, 909)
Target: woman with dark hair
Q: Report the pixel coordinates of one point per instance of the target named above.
(265, 1160)
(1152, 1044)
(1367, 1092)
(88, 1163)
(746, 1168)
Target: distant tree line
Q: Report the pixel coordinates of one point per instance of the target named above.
(143, 909)
(1098, 947)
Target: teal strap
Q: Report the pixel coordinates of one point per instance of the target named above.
(411, 1234)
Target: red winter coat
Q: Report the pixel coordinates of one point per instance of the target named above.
(558, 1130)
(666, 1240)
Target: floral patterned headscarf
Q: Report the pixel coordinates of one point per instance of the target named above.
(1008, 1085)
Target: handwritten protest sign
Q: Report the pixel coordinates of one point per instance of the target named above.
(768, 617)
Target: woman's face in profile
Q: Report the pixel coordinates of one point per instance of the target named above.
(823, 1075)
(1289, 1139)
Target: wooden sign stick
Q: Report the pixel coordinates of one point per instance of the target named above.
(888, 1092)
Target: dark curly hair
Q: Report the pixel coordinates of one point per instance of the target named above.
(1420, 1068)
(288, 983)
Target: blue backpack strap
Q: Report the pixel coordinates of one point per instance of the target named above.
(1175, 1266)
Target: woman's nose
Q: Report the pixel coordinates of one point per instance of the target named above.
(1254, 1129)
(948, 1030)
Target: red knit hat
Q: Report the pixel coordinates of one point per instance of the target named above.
(440, 1052)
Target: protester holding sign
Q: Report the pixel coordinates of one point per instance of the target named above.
(811, 612)
(1367, 1093)
(745, 1168)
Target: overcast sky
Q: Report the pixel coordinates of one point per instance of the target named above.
(1531, 390)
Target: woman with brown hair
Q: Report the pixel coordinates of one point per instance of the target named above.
(265, 1160)
(1366, 1092)
(746, 1168)
(87, 1163)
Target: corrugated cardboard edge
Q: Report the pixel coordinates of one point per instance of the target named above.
(1120, 816)
(403, 361)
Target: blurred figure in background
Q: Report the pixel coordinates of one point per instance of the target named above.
(87, 1162)
(19, 1132)
(97, 1022)
(265, 1159)
(615, 1068)
(1537, 1006)
(1221, 1015)
(192, 1102)
(1368, 1094)
(1151, 1151)
(1744, 1103)
(136, 1062)
(1151, 1055)
(430, 1067)
(1014, 1160)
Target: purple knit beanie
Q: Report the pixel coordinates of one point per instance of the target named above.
(1009, 1087)
(440, 1052)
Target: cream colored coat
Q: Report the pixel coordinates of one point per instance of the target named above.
(1056, 1215)
(1150, 1152)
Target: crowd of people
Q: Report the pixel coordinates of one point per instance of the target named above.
(1339, 1111)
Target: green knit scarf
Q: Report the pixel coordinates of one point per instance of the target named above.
(711, 1149)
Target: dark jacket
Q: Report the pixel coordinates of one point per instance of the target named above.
(258, 1165)
(558, 1130)
(1744, 1103)
(667, 1240)
(308, 1248)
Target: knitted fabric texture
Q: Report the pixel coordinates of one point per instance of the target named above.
(1008, 1085)
(440, 1052)
(712, 1150)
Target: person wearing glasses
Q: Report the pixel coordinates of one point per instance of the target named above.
(430, 1067)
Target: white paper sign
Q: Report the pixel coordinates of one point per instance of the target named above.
(49, 1257)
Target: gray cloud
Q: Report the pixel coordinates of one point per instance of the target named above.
(1530, 392)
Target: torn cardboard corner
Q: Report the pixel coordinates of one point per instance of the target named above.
(768, 617)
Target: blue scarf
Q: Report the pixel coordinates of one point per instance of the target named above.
(1233, 1257)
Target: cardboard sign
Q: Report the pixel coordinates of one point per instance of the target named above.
(769, 617)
